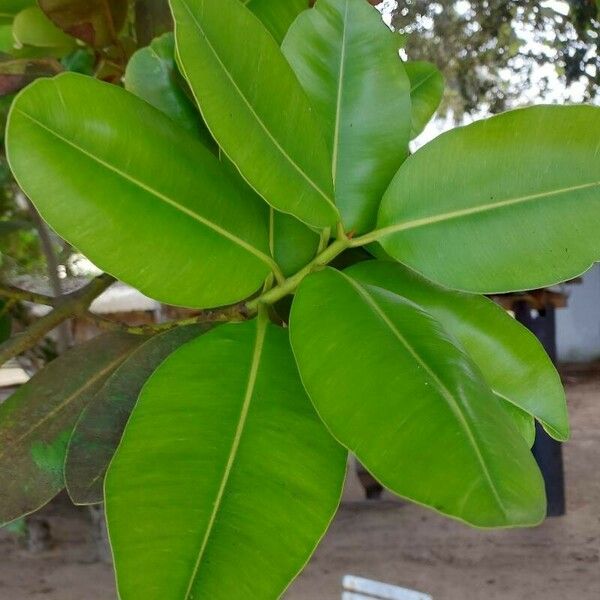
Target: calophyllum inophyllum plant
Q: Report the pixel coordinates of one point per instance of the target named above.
(231, 465)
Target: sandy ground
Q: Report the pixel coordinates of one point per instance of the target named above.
(386, 540)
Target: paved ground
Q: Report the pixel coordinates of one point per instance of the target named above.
(389, 541)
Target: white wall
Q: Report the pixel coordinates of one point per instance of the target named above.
(578, 325)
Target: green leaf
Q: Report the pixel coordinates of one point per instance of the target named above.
(142, 199)
(347, 60)
(254, 107)
(225, 479)
(100, 426)
(6, 39)
(522, 420)
(152, 75)
(391, 385)
(96, 22)
(294, 244)
(511, 358)
(32, 28)
(509, 203)
(80, 61)
(277, 16)
(37, 420)
(426, 92)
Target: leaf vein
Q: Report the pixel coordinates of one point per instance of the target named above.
(446, 393)
(173, 203)
(254, 365)
(260, 122)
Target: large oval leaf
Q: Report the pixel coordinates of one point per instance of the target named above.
(254, 106)
(347, 60)
(277, 16)
(143, 199)
(394, 389)
(224, 472)
(152, 75)
(426, 92)
(509, 203)
(31, 27)
(511, 358)
(99, 428)
(37, 420)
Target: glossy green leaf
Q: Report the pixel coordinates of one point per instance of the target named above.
(522, 420)
(511, 358)
(152, 75)
(391, 385)
(225, 479)
(254, 107)
(6, 39)
(80, 61)
(347, 60)
(508, 203)
(426, 92)
(32, 28)
(96, 22)
(98, 431)
(37, 420)
(294, 244)
(109, 173)
(277, 16)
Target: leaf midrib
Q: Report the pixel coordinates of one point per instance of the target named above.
(261, 123)
(423, 81)
(465, 212)
(446, 393)
(169, 201)
(261, 329)
(340, 89)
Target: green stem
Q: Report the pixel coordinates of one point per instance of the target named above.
(289, 285)
(367, 238)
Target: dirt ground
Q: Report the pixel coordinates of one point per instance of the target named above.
(386, 540)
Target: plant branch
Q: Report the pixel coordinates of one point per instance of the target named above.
(237, 312)
(13, 293)
(64, 333)
(70, 305)
(367, 238)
